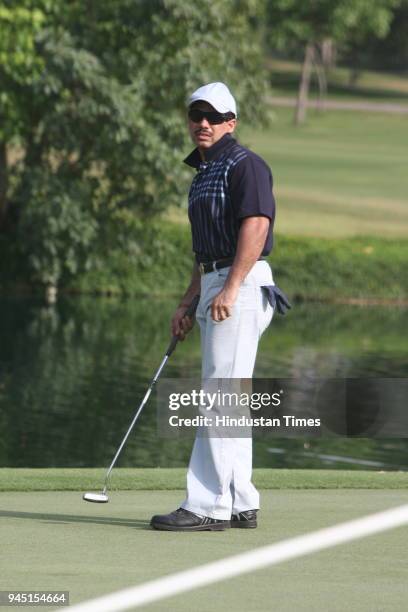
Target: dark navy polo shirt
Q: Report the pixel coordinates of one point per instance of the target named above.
(231, 184)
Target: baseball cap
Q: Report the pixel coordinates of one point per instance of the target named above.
(216, 94)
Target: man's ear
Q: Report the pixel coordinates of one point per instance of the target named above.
(232, 124)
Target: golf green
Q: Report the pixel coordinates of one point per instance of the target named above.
(55, 541)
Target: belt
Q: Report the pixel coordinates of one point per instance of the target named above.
(212, 266)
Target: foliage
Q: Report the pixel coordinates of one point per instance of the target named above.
(57, 229)
(100, 119)
(295, 23)
(20, 22)
(391, 52)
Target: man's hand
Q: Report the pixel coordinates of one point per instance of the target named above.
(222, 304)
(181, 325)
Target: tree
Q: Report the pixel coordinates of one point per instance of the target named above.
(100, 124)
(19, 66)
(389, 53)
(311, 24)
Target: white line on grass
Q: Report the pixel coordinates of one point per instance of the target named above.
(292, 548)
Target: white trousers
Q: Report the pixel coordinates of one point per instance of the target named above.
(220, 469)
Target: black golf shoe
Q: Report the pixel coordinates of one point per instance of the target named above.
(184, 520)
(244, 520)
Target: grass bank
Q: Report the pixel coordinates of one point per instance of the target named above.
(163, 479)
(343, 270)
(307, 268)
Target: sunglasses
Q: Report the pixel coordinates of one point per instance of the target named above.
(213, 117)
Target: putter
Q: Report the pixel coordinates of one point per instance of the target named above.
(102, 497)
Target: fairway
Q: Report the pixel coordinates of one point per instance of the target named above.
(341, 174)
(53, 540)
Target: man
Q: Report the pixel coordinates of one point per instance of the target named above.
(231, 211)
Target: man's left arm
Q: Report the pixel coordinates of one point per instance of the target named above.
(251, 240)
(250, 185)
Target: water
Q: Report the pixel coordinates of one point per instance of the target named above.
(72, 375)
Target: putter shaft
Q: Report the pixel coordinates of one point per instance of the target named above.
(146, 397)
(190, 313)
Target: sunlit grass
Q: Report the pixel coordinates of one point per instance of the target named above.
(64, 479)
(340, 174)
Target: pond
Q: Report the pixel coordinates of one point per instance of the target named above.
(73, 374)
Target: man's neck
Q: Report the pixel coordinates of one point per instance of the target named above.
(201, 154)
(202, 150)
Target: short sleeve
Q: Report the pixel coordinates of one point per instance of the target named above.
(250, 183)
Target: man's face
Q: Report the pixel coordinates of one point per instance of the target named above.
(205, 134)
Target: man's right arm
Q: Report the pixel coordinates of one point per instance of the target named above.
(181, 325)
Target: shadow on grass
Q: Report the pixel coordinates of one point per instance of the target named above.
(70, 518)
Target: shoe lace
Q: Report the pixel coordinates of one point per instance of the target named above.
(186, 512)
(182, 511)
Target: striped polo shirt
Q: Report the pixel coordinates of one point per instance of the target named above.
(231, 184)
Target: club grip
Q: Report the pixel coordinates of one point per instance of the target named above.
(189, 313)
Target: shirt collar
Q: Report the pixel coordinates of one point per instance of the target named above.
(194, 159)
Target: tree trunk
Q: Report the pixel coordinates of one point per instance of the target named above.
(3, 185)
(321, 78)
(300, 113)
(354, 75)
(328, 51)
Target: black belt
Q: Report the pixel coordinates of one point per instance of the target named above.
(212, 266)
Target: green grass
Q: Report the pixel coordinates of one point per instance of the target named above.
(339, 175)
(53, 541)
(342, 173)
(161, 479)
(340, 268)
(343, 84)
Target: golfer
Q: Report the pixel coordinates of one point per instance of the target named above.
(231, 211)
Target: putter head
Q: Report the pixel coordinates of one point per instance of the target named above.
(96, 498)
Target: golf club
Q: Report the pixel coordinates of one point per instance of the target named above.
(102, 497)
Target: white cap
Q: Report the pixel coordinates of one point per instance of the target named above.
(216, 94)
